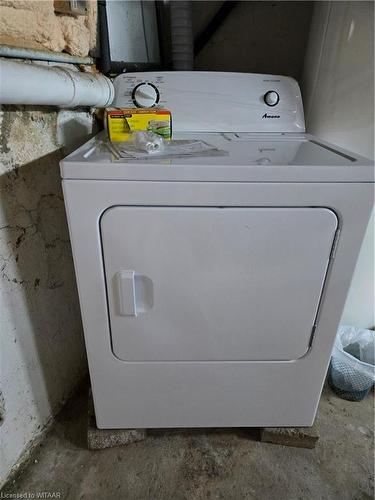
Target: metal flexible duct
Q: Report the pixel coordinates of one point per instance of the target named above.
(182, 35)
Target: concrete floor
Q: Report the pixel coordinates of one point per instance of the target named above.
(220, 464)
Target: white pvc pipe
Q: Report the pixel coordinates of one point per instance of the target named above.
(28, 83)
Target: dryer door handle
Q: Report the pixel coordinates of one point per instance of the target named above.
(126, 293)
(135, 293)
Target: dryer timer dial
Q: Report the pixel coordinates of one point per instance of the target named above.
(145, 95)
(271, 98)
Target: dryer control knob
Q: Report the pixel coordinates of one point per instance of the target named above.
(145, 95)
(271, 98)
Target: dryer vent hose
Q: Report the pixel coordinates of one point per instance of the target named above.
(182, 35)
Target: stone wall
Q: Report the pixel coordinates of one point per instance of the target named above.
(35, 24)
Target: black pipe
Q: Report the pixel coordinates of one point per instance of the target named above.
(204, 37)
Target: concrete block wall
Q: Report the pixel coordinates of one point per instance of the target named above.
(42, 349)
(256, 37)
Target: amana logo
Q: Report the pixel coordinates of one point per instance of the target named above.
(270, 116)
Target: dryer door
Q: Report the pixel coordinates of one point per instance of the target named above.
(196, 283)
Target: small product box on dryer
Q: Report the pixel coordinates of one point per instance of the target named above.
(120, 123)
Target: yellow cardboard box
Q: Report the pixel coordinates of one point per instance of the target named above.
(120, 123)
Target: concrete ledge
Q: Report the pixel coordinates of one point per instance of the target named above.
(99, 439)
(301, 437)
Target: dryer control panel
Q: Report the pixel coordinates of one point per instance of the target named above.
(216, 101)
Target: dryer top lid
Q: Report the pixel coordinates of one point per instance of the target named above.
(249, 158)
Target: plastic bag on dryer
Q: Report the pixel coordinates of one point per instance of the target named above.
(148, 145)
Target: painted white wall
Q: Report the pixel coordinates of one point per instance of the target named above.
(338, 91)
(42, 354)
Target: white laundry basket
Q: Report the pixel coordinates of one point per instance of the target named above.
(351, 372)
